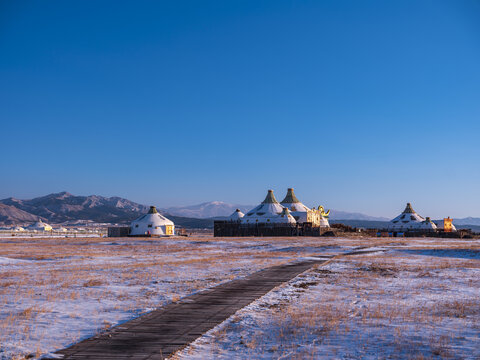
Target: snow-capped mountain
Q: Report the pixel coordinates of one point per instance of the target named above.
(207, 209)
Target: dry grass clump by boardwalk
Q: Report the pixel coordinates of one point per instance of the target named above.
(384, 305)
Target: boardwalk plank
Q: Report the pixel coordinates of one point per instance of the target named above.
(162, 332)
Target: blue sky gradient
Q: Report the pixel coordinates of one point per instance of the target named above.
(359, 105)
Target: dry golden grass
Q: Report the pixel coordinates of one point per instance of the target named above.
(57, 270)
(388, 305)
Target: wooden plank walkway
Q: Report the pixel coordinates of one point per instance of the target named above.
(162, 332)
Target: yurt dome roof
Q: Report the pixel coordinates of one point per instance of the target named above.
(39, 225)
(291, 201)
(428, 224)
(153, 217)
(408, 219)
(285, 217)
(237, 214)
(269, 206)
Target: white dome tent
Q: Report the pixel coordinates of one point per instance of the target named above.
(408, 220)
(152, 223)
(236, 216)
(40, 226)
(264, 212)
(427, 225)
(284, 218)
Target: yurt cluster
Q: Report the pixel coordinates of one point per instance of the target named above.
(290, 217)
(410, 221)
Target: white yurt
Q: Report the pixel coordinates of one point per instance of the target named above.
(284, 218)
(18, 229)
(427, 225)
(40, 226)
(236, 216)
(407, 220)
(268, 209)
(152, 223)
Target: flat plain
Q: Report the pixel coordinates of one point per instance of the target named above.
(409, 298)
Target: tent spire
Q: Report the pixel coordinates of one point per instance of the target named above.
(290, 198)
(270, 199)
(409, 209)
(153, 210)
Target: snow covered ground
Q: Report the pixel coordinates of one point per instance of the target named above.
(411, 296)
(391, 305)
(57, 291)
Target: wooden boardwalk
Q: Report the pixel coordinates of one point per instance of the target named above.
(162, 332)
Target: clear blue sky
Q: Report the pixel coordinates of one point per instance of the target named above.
(359, 105)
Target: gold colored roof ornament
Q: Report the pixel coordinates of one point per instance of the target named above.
(322, 211)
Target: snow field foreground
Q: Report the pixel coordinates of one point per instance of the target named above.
(396, 304)
(55, 292)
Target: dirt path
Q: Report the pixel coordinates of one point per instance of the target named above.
(162, 332)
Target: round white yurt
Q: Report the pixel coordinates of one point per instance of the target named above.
(268, 209)
(407, 220)
(40, 226)
(18, 229)
(236, 216)
(152, 223)
(427, 225)
(284, 218)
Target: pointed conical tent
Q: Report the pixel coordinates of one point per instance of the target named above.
(292, 203)
(152, 223)
(407, 220)
(269, 207)
(236, 216)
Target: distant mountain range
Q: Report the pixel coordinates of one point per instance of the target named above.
(65, 208)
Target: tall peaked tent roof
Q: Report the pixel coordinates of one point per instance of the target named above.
(270, 198)
(292, 203)
(268, 208)
(409, 209)
(290, 198)
(407, 220)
